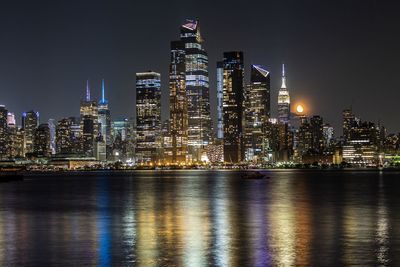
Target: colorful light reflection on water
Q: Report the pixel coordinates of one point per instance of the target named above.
(201, 218)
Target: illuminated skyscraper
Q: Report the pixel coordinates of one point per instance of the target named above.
(52, 129)
(30, 121)
(197, 89)
(257, 113)
(89, 123)
(123, 139)
(233, 106)
(305, 138)
(316, 125)
(41, 144)
(178, 104)
(148, 116)
(120, 129)
(349, 121)
(283, 100)
(16, 142)
(220, 99)
(11, 120)
(328, 133)
(105, 120)
(3, 131)
(65, 139)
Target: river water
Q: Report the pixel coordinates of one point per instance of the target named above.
(202, 218)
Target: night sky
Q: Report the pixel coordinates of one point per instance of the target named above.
(337, 53)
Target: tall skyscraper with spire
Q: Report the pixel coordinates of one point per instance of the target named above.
(89, 123)
(105, 120)
(197, 89)
(283, 101)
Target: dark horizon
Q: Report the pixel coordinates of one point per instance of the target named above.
(336, 54)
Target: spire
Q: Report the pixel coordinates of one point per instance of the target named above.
(87, 91)
(283, 77)
(102, 91)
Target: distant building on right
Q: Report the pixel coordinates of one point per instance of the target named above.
(283, 101)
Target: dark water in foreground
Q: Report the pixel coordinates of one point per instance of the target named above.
(199, 218)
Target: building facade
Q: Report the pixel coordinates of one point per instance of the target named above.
(197, 89)
(233, 86)
(148, 116)
(89, 124)
(178, 105)
(30, 121)
(257, 114)
(283, 101)
(220, 100)
(42, 141)
(3, 132)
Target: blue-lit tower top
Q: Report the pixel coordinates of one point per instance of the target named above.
(103, 100)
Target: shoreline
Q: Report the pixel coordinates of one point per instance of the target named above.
(122, 172)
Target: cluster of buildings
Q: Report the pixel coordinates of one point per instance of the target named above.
(245, 133)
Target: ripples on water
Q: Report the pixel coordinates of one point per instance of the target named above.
(199, 218)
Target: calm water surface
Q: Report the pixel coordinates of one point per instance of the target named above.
(202, 218)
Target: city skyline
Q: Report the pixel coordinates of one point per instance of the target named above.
(315, 75)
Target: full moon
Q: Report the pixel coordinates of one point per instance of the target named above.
(299, 109)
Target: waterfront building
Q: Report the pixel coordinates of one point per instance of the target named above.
(105, 121)
(15, 142)
(283, 100)
(11, 122)
(233, 86)
(89, 123)
(220, 100)
(285, 148)
(65, 137)
(257, 113)
(392, 144)
(148, 116)
(120, 129)
(317, 135)
(215, 153)
(100, 149)
(30, 121)
(52, 129)
(279, 141)
(177, 151)
(349, 121)
(123, 139)
(197, 89)
(41, 144)
(88, 135)
(364, 141)
(305, 138)
(328, 135)
(3, 132)
(166, 153)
